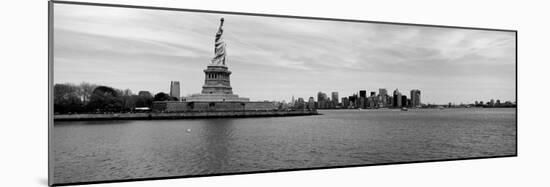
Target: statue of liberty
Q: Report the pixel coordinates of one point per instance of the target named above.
(219, 47)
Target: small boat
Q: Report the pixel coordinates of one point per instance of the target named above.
(404, 109)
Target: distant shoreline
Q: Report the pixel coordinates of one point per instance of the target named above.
(181, 115)
(431, 108)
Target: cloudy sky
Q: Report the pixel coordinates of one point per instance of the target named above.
(275, 58)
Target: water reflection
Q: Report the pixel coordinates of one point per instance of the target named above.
(217, 137)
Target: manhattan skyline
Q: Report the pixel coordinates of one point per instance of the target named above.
(274, 58)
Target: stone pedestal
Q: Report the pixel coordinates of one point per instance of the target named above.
(217, 80)
(217, 86)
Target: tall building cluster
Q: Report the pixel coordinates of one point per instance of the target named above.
(364, 100)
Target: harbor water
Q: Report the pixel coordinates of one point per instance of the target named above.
(128, 149)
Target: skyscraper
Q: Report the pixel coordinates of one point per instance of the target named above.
(404, 101)
(415, 98)
(372, 100)
(397, 98)
(362, 93)
(322, 100)
(383, 97)
(362, 100)
(320, 96)
(175, 89)
(353, 101)
(310, 103)
(335, 98)
(382, 91)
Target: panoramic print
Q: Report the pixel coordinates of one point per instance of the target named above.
(148, 93)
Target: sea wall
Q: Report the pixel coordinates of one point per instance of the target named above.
(182, 115)
(200, 106)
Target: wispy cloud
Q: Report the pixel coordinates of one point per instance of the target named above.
(273, 58)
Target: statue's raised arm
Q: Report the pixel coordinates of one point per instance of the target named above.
(219, 47)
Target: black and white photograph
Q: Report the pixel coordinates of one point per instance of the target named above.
(150, 93)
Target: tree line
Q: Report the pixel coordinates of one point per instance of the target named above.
(91, 98)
